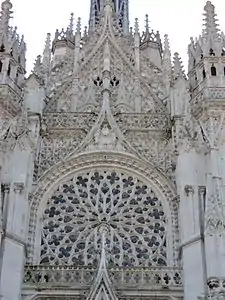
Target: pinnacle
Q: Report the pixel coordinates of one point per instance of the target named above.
(78, 28)
(178, 66)
(146, 23)
(211, 27)
(136, 26)
(166, 44)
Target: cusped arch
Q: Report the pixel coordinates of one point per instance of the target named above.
(82, 163)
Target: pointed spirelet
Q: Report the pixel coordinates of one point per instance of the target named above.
(167, 64)
(71, 23)
(136, 26)
(146, 34)
(47, 53)
(178, 71)
(211, 30)
(146, 23)
(78, 28)
(85, 34)
(37, 65)
(5, 15)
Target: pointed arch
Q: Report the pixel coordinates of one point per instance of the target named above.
(213, 70)
(127, 163)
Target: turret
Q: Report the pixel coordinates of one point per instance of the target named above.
(150, 45)
(12, 51)
(63, 43)
(206, 54)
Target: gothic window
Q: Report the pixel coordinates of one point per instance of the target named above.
(204, 73)
(196, 78)
(211, 52)
(213, 70)
(1, 65)
(98, 81)
(9, 70)
(114, 81)
(2, 48)
(125, 205)
(16, 79)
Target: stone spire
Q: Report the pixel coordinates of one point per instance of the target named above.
(70, 28)
(166, 63)
(47, 53)
(178, 71)
(120, 8)
(5, 16)
(211, 30)
(211, 35)
(167, 55)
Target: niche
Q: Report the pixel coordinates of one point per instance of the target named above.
(213, 71)
(204, 73)
(9, 70)
(2, 48)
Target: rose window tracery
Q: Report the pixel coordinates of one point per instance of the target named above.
(131, 211)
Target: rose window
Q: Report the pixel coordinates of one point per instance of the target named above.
(125, 205)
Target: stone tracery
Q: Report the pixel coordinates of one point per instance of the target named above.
(132, 212)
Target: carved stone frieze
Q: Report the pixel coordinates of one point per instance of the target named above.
(214, 216)
(154, 122)
(56, 147)
(18, 134)
(69, 121)
(152, 147)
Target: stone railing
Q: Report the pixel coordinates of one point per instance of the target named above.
(147, 278)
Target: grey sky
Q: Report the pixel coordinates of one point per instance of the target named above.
(180, 19)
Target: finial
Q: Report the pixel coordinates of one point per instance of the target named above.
(47, 52)
(131, 31)
(146, 23)
(85, 32)
(211, 27)
(5, 15)
(178, 67)
(136, 26)
(167, 65)
(166, 51)
(78, 28)
(71, 23)
(6, 5)
(37, 65)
